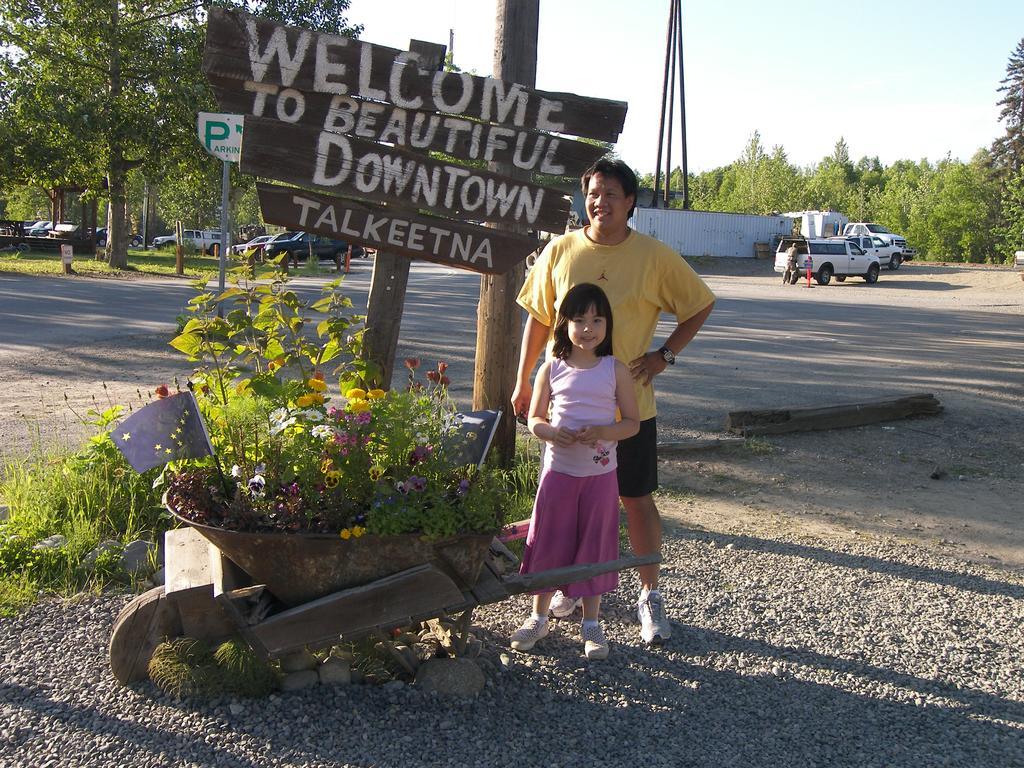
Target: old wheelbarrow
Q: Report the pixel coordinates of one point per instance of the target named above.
(273, 591)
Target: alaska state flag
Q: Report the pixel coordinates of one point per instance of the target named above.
(167, 429)
(476, 431)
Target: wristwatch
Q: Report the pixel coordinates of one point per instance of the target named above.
(667, 355)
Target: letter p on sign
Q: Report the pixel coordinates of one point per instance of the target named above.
(220, 134)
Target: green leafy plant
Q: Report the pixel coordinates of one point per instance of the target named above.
(298, 452)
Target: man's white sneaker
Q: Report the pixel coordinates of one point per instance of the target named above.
(533, 629)
(562, 606)
(595, 646)
(654, 626)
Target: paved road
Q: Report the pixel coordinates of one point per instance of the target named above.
(764, 346)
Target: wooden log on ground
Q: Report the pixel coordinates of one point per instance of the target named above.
(778, 421)
(685, 446)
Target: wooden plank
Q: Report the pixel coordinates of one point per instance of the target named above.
(392, 600)
(442, 241)
(416, 130)
(557, 577)
(778, 421)
(354, 167)
(275, 56)
(141, 626)
(189, 585)
(489, 588)
(186, 560)
(686, 446)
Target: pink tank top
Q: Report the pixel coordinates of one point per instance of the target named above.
(582, 397)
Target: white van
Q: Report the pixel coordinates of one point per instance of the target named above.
(827, 257)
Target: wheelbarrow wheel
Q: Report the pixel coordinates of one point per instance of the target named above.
(141, 626)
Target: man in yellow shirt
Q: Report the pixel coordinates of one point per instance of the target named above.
(642, 278)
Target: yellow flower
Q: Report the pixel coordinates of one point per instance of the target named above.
(332, 478)
(376, 394)
(358, 406)
(376, 472)
(326, 464)
(312, 398)
(356, 394)
(346, 533)
(317, 385)
(358, 531)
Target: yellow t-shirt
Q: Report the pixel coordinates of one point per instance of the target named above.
(642, 278)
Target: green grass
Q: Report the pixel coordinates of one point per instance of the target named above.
(87, 497)
(141, 263)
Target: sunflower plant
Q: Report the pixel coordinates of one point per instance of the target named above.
(303, 441)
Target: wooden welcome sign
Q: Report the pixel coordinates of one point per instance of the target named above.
(358, 123)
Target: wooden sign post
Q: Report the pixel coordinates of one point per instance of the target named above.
(387, 150)
(66, 255)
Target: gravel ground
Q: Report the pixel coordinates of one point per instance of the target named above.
(795, 651)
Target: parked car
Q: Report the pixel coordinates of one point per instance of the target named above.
(39, 229)
(298, 247)
(202, 239)
(256, 244)
(889, 255)
(828, 257)
(134, 240)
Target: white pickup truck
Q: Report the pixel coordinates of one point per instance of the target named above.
(202, 239)
(889, 255)
(859, 228)
(827, 258)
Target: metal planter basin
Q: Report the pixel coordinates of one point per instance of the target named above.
(300, 567)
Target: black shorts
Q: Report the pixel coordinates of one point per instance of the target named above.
(638, 461)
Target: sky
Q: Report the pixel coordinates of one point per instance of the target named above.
(902, 79)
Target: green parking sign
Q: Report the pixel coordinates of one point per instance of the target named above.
(220, 134)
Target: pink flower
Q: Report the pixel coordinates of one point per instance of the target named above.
(412, 363)
(441, 367)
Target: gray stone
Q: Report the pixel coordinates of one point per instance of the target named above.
(158, 577)
(453, 677)
(135, 558)
(109, 545)
(5, 512)
(50, 542)
(335, 671)
(296, 681)
(299, 661)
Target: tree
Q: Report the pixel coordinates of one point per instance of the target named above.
(96, 88)
(1008, 150)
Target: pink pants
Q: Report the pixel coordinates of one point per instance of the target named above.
(575, 520)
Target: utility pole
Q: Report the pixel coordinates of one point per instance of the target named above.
(673, 60)
(498, 322)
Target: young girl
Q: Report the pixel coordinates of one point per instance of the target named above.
(576, 513)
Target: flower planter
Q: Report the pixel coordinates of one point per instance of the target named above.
(300, 567)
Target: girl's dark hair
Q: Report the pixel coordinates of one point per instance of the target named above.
(578, 300)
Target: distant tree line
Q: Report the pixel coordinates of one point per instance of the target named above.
(948, 210)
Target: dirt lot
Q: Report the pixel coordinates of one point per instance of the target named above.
(877, 480)
(869, 481)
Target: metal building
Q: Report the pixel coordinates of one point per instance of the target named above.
(706, 233)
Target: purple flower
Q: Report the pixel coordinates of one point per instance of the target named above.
(463, 488)
(419, 454)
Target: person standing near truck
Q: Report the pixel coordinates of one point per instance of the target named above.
(791, 272)
(642, 277)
